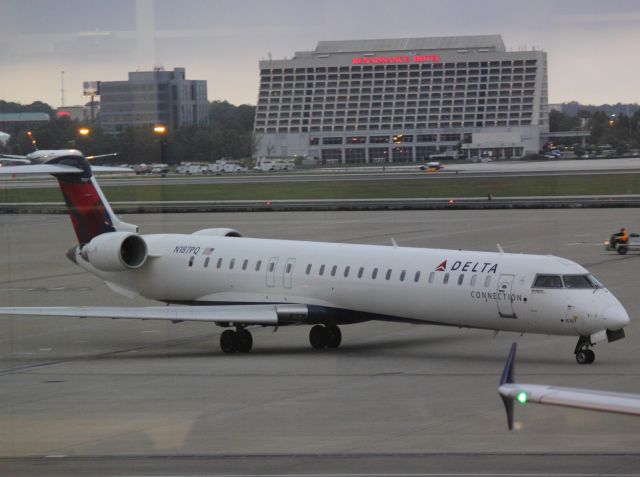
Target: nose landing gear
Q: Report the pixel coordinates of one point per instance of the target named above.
(584, 355)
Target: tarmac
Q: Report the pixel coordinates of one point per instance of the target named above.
(103, 397)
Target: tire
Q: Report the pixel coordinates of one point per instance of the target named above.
(245, 341)
(622, 249)
(228, 341)
(582, 358)
(318, 337)
(591, 356)
(334, 336)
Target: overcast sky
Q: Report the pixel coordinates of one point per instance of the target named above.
(591, 45)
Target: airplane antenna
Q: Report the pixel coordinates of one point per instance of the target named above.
(500, 249)
(393, 242)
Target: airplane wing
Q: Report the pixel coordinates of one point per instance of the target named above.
(620, 403)
(14, 159)
(56, 169)
(245, 314)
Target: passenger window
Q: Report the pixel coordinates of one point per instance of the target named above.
(461, 279)
(388, 276)
(417, 277)
(308, 269)
(288, 268)
(474, 278)
(432, 277)
(445, 280)
(258, 265)
(191, 261)
(219, 264)
(232, 263)
(487, 281)
(346, 272)
(206, 262)
(403, 274)
(272, 265)
(244, 264)
(334, 269)
(548, 281)
(321, 272)
(360, 272)
(374, 274)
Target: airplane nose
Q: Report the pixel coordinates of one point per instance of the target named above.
(616, 317)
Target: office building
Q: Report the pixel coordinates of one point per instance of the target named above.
(153, 97)
(402, 100)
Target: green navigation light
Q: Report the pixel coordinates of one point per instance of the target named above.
(522, 397)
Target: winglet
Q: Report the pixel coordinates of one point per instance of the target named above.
(507, 378)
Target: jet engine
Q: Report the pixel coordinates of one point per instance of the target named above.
(218, 233)
(115, 251)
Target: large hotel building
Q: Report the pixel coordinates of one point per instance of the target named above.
(401, 100)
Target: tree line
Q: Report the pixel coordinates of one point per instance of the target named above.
(618, 130)
(229, 134)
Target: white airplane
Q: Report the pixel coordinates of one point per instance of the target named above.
(510, 391)
(237, 281)
(42, 155)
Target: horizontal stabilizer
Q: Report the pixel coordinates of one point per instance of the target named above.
(244, 314)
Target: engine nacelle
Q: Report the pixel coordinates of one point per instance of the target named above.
(115, 251)
(218, 233)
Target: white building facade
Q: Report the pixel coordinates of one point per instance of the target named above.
(401, 100)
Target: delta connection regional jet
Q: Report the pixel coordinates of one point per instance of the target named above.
(236, 282)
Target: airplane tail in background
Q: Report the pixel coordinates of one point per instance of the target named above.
(89, 210)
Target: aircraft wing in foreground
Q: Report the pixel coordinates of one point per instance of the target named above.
(595, 400)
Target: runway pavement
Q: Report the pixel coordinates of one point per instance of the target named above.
(102, 397)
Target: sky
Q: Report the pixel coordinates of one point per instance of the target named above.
(590, 44)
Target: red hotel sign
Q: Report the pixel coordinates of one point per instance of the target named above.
(359, 60)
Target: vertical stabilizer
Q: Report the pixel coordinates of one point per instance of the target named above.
(90, 212)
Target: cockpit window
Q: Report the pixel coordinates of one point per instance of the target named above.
(567, 281)
(581, 281)
(548, 281)
(576, 281)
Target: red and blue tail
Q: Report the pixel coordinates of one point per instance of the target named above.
(90, 213)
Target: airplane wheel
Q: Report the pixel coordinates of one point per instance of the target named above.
(229, 341)
(591, 356)
(334, 336)
(318, 337)
(245, 341)
(582, 357)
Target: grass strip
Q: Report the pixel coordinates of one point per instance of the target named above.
(375, 189)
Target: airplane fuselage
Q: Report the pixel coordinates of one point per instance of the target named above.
(459, 288)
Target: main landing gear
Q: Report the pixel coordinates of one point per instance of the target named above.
(238, 341)
(584, 355)
(325, 336)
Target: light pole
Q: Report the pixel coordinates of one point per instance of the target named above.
(161, 131)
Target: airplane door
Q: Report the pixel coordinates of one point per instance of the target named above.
(271, 272)
(288, 272)
(505, 304)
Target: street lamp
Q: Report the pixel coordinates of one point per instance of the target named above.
(161, 130)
